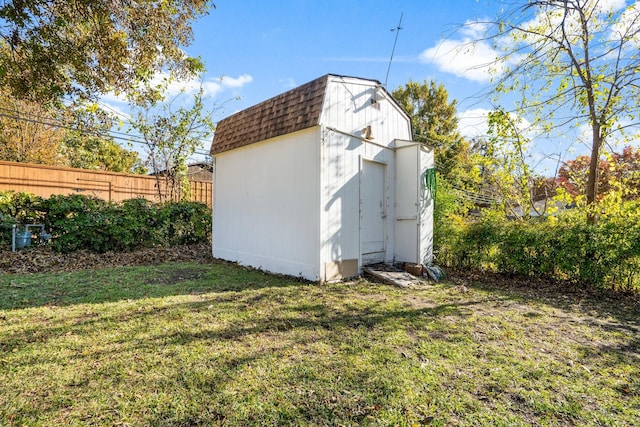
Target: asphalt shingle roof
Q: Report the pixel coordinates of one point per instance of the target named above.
(288, 112)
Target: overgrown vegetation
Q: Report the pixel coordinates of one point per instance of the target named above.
(78, 222)
(217, 344)
(561, 246)
(171, 132)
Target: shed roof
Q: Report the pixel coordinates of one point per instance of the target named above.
(291, 111)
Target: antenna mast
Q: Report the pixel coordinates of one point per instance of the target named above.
(397, 30)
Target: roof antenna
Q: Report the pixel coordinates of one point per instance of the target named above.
(397, 30)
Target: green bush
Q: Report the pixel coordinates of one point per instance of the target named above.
(185, 223)
(6, 225)
(565, 246)
(24, 208)
(78, 222)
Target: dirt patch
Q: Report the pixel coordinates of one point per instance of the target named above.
(420, 302)
(174, 276)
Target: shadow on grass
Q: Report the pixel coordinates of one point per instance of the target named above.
(606, 310)
(235, 340)
(269, 322)
(292, 317)
(132, 283)
(563, 295)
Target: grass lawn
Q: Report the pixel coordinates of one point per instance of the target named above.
(185, 344)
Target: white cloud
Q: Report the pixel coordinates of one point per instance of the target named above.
(471, 57)
(211, 86)
(462, 58)
(473, 123)
(628, 23)
(474, 29)
(288, 83)
(236, 82)
(612, 5)
(114, 109)
(598, 12)
(111, 98)
(468, 57)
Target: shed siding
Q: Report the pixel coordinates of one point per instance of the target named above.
(414, 205)
(347, 111)
(266, 210)
(348, 107)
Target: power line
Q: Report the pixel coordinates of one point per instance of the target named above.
(95, 132)
(474, 196)
(61, 125)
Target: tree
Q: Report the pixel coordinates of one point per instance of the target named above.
(87, 143)
(170, 136)
(28, 133)
(78, 48)
(74, 136)
(617, 172)
(434, 123)
(99, 153)
(504, 165)
(573, 62)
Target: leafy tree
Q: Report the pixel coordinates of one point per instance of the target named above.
(434, 122)
(503, 163)
(98, 153)
(28, 133)
(65, 136)
(573, 62)
(617, 172)
(78, 48)
(87, 144)
(171, 135)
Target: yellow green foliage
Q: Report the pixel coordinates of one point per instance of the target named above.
(563, 246)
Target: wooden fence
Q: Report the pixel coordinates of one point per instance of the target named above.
(45, 181)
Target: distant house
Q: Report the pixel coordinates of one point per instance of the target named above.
(200, 172)
(321, 180)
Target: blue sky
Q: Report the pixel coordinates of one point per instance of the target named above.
(256, 49)
(264, 48)
(289, 42)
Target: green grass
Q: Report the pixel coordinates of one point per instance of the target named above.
(214, 344)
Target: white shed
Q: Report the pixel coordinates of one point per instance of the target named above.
(320, 181)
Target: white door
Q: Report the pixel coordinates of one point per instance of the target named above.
(373, 212)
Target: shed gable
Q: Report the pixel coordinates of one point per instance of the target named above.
(288, 112)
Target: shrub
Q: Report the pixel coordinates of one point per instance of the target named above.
(78, 222)
(6, 225)
(185, 222)
(24, 208)
(565, 246)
